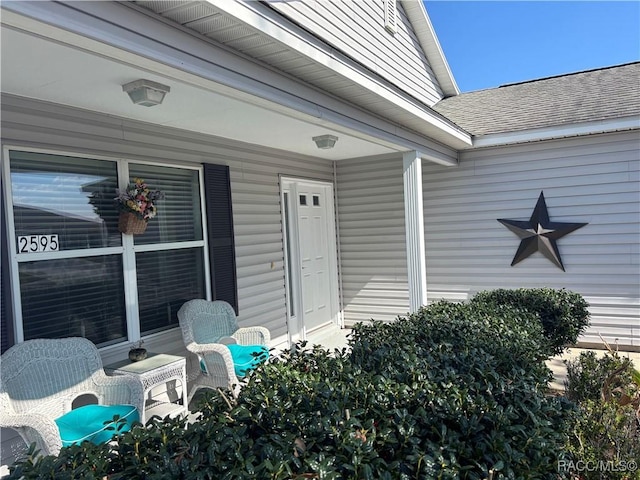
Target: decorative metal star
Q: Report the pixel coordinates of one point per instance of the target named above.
(539, 234)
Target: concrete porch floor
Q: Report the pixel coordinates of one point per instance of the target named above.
(329, 338)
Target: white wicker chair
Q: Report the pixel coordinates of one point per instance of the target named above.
(40, 379)
(207, 327)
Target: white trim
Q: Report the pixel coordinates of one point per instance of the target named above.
(160, 163)
(291, 282)
(414, 230)
(562, 131)
(439, 158)
(332, 247)
(338, 249)
(64, 153)
(11, 239)
(422, 26)
(158, 247)
(88, 154)
(129, 274)
(205, 236)
(64, 254)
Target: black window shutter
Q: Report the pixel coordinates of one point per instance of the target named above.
(222, 252)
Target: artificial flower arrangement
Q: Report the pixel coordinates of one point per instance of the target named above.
(137, 204)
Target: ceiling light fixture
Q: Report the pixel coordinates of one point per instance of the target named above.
(146, 92)
(325, 141)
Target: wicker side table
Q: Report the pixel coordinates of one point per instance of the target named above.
(153, 371)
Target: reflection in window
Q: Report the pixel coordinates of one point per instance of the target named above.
(74, 297)
(167, 279)
(65, 196)
(179, 216)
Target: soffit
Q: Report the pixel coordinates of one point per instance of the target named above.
(214, 23)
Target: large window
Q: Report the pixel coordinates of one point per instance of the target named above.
(80, 296)
(169, 255)
(75, 274)
(167, 279)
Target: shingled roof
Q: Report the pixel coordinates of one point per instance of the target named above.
(601, 94)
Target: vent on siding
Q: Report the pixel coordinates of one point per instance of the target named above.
(390, 15)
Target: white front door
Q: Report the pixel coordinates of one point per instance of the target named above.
(311, 255)
(314, 256)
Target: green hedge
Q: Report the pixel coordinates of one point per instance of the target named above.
(605, 431)
(454, 391)
(564, 314)
(486, 383)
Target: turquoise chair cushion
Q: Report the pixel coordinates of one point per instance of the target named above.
(91, 422)
(247, 357)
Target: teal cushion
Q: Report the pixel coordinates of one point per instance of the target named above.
(91, 422)
(246, 357)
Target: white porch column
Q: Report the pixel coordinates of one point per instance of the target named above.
(414, 229)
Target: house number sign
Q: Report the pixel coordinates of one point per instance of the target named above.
(38, 243)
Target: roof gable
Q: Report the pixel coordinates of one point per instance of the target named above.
(410, 58)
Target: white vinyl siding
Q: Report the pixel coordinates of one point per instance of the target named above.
(372, 240)
(358, 30)
(592, 180)
(254, 185)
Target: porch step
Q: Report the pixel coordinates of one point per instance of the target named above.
(330, 337)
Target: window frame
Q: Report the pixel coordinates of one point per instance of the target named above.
(127, 250)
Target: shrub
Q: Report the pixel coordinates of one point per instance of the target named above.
(454, 391)
(508, 338)
(564, 315)
(587, 375)
(485, 382)
(606, 427)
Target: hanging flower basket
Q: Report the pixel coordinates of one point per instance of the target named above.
(137, 205)
(130, 224)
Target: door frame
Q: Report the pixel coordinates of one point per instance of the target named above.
(296, 328)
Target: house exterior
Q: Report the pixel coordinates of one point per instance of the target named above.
(576, 138)
(251, 203)
(401, 211)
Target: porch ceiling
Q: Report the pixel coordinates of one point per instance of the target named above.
(248, 28)
(38, 67)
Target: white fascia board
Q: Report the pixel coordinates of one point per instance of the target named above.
(270, 23)
(428, 39)
(119, 33)
(439, 158)
(563, 131)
